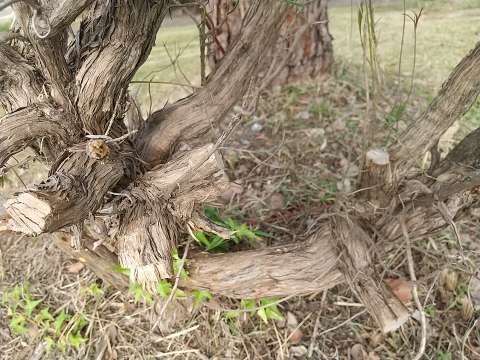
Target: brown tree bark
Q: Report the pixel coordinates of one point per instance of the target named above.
(304, 47)
(146, 188)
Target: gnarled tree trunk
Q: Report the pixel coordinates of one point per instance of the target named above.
(147, 184)
(304, 47)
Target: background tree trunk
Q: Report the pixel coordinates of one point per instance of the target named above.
(304, 47)
(148, 186)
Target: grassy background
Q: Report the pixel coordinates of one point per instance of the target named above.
(443, 38)
(447, 30)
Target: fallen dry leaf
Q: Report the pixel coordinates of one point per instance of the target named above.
(75, 268)
(401, 288)
(295, 336)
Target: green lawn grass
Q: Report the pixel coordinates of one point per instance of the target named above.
(444, 36)
(5, 25)
(173, 44)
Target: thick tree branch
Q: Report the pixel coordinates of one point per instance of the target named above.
(66, 13)
(49, 53)
(20, 85)
(21, 128)
(74, 191)
(195, 115)
(105, 72)
(156, 206)
(455, 98)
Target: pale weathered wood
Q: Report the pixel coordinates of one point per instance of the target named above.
(156, 205)
(66, 13)
(357, 263)
(49, 53)
(21, 86)
(74, 191)
(376, 179)
(105, 72)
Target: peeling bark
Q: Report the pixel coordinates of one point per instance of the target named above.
(22, 127)
(157, 204)
(74, 191)
(20, 84)
(75, 96)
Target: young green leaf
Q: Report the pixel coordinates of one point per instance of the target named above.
(18, 324)
(179, 293)
(231, 314)
(61, 345)
(30, 305)
(44, 316)
(49, 343)
(248, 304)
(121, 270)
(76, 340)
(164, 289)
(214, 215)
(217, 243)
(80, 322)
(139, 294)
(179, 266)
(59, 321)
(202, 239)
(95, 291)
(263, 315)
(202, 295)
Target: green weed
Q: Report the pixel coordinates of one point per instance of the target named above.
(444, 355)
(394, 116)
(266, 309)
(328, 193)
(241, 231)
(320, 109)
(62, 331)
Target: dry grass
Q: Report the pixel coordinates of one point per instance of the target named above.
(292, 158)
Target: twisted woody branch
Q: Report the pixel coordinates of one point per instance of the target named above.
(73, 94)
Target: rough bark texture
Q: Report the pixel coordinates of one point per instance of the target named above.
(456, 96)
(73, 94)
(191, 117)
(304, 47)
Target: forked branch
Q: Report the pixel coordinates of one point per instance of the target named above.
(189, 118)
(455, 98)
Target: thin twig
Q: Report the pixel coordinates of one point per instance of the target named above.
(413, 278)
(401, 45)
(343, 323)
(467, 334)
(317, 323)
